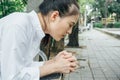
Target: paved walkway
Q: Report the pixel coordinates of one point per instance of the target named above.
(99, 57)
(115, 32)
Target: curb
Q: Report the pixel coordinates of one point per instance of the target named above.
(109, 33)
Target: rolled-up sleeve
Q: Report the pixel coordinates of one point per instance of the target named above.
(28, 73)
(14, 49)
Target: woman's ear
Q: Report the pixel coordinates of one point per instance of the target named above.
(54, 15)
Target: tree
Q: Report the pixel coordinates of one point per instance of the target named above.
(100, 5)
(114, 7)
(9, 6)
(33, 5)
(118, 1)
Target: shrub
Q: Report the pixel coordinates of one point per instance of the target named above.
(116, 25)
(110, 25)
(98, 25)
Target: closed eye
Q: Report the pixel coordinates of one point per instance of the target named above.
(70, 26)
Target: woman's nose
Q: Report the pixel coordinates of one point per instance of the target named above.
(69, 31)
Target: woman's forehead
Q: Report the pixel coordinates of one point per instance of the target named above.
(73, 18)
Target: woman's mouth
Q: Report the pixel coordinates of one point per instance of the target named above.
(63, 36)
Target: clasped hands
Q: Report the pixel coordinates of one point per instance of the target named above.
(64, 62)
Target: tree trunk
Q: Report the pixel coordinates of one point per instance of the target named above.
(118, 17)
(33, 5)
(102, 13)
(73, 38)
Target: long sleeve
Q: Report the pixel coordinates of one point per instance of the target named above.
(15, 62)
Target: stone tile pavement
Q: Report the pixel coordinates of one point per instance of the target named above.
(115, 32)
(99, 57)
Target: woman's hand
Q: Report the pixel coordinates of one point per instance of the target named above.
(64, 54)
(64, 62)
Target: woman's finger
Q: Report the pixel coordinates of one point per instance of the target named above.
(72, 59)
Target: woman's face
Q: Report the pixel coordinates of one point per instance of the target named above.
(60, 27)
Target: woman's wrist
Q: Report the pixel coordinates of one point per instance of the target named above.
(48, 67)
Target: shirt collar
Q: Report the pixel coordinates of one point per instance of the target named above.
(36, 23)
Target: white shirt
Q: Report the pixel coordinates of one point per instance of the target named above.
(20, 37)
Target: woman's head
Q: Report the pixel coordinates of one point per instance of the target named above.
(63, 6)
(60, 16)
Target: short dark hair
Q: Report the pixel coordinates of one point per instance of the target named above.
(63, 6)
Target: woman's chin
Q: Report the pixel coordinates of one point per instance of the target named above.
(57, 39)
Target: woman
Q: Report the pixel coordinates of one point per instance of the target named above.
(21, 34)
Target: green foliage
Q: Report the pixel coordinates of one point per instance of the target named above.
(100, 6)
(83, 3)
(118, 1)
(98, 25)
(110, 25)
(116, 25)
(113, 25)
(107, 7)
(9, 6)
(24, 2)
(114, 7)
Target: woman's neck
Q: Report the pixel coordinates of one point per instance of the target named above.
(42, 22)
